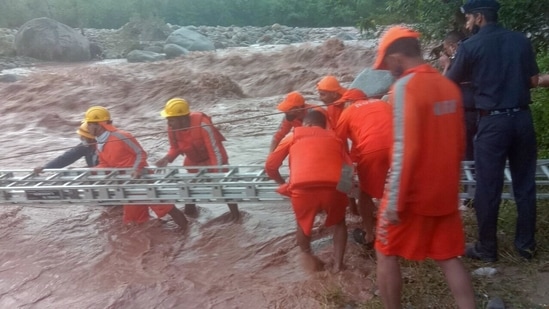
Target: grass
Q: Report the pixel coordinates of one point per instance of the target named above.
(425, 287)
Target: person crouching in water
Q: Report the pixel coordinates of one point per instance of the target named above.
(317, 157)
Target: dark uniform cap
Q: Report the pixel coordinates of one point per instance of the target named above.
(480, 5)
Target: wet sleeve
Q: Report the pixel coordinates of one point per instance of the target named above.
(276, 158)
(69, 157)
(125, 143)
(213, 144)
(412, 146)
(458, 68)
(103, 163)
(406, 148)
(283, 130)
(342, 127)
(140, 154)
(173, 152)
(91, 156)
(530, 61)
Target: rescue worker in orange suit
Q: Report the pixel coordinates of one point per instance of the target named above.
(119, 149)
(86, 149)
(367, 123)
(418, 216)
(316, 159)
(194, 136)
(329, 92)
(294, 109)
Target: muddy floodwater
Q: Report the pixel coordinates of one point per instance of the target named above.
(82, 256)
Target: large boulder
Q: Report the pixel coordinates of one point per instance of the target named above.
(374, 83)
(174, 51)
(46, 39)
(190, 40)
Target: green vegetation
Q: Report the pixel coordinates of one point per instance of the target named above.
(113, 14)
(540, 110)
(433, 17)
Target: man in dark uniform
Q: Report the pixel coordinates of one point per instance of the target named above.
(502, 68)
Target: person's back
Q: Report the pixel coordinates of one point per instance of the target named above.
(316, 158)
(418, 217)
(430, 139)
(368, 124)
(121, 150)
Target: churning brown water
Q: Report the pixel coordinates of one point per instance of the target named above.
(81, 256)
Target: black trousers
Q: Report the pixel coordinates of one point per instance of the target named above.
(500, 137)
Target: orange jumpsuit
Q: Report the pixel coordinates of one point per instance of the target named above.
(423, 187)
(121, 150)
(316, 159)
(368, 124)
(201, 144)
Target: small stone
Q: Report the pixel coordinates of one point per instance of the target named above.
(495, 303)
(485, 271)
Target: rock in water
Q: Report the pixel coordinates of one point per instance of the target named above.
(46, 39)
(374, 83)
(190, 40)
(144, 56)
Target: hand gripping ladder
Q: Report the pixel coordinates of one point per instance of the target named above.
(245, 183)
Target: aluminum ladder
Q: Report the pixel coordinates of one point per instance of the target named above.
(239, 184)
(156, 186)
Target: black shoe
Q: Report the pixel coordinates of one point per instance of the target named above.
(527, 254)
(472, 252)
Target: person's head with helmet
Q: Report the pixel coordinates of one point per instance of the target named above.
(177, 114)
(85, 136)
(479, 13)
(329, 90)
(98, 120)
(293, 106)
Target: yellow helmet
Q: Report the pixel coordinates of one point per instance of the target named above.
(97, 114)
(175, 107)
(83, 131)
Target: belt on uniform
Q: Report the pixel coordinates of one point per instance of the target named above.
(470, 109)
(493, 112)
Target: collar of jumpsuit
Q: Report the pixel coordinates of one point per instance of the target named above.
(102, 139)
